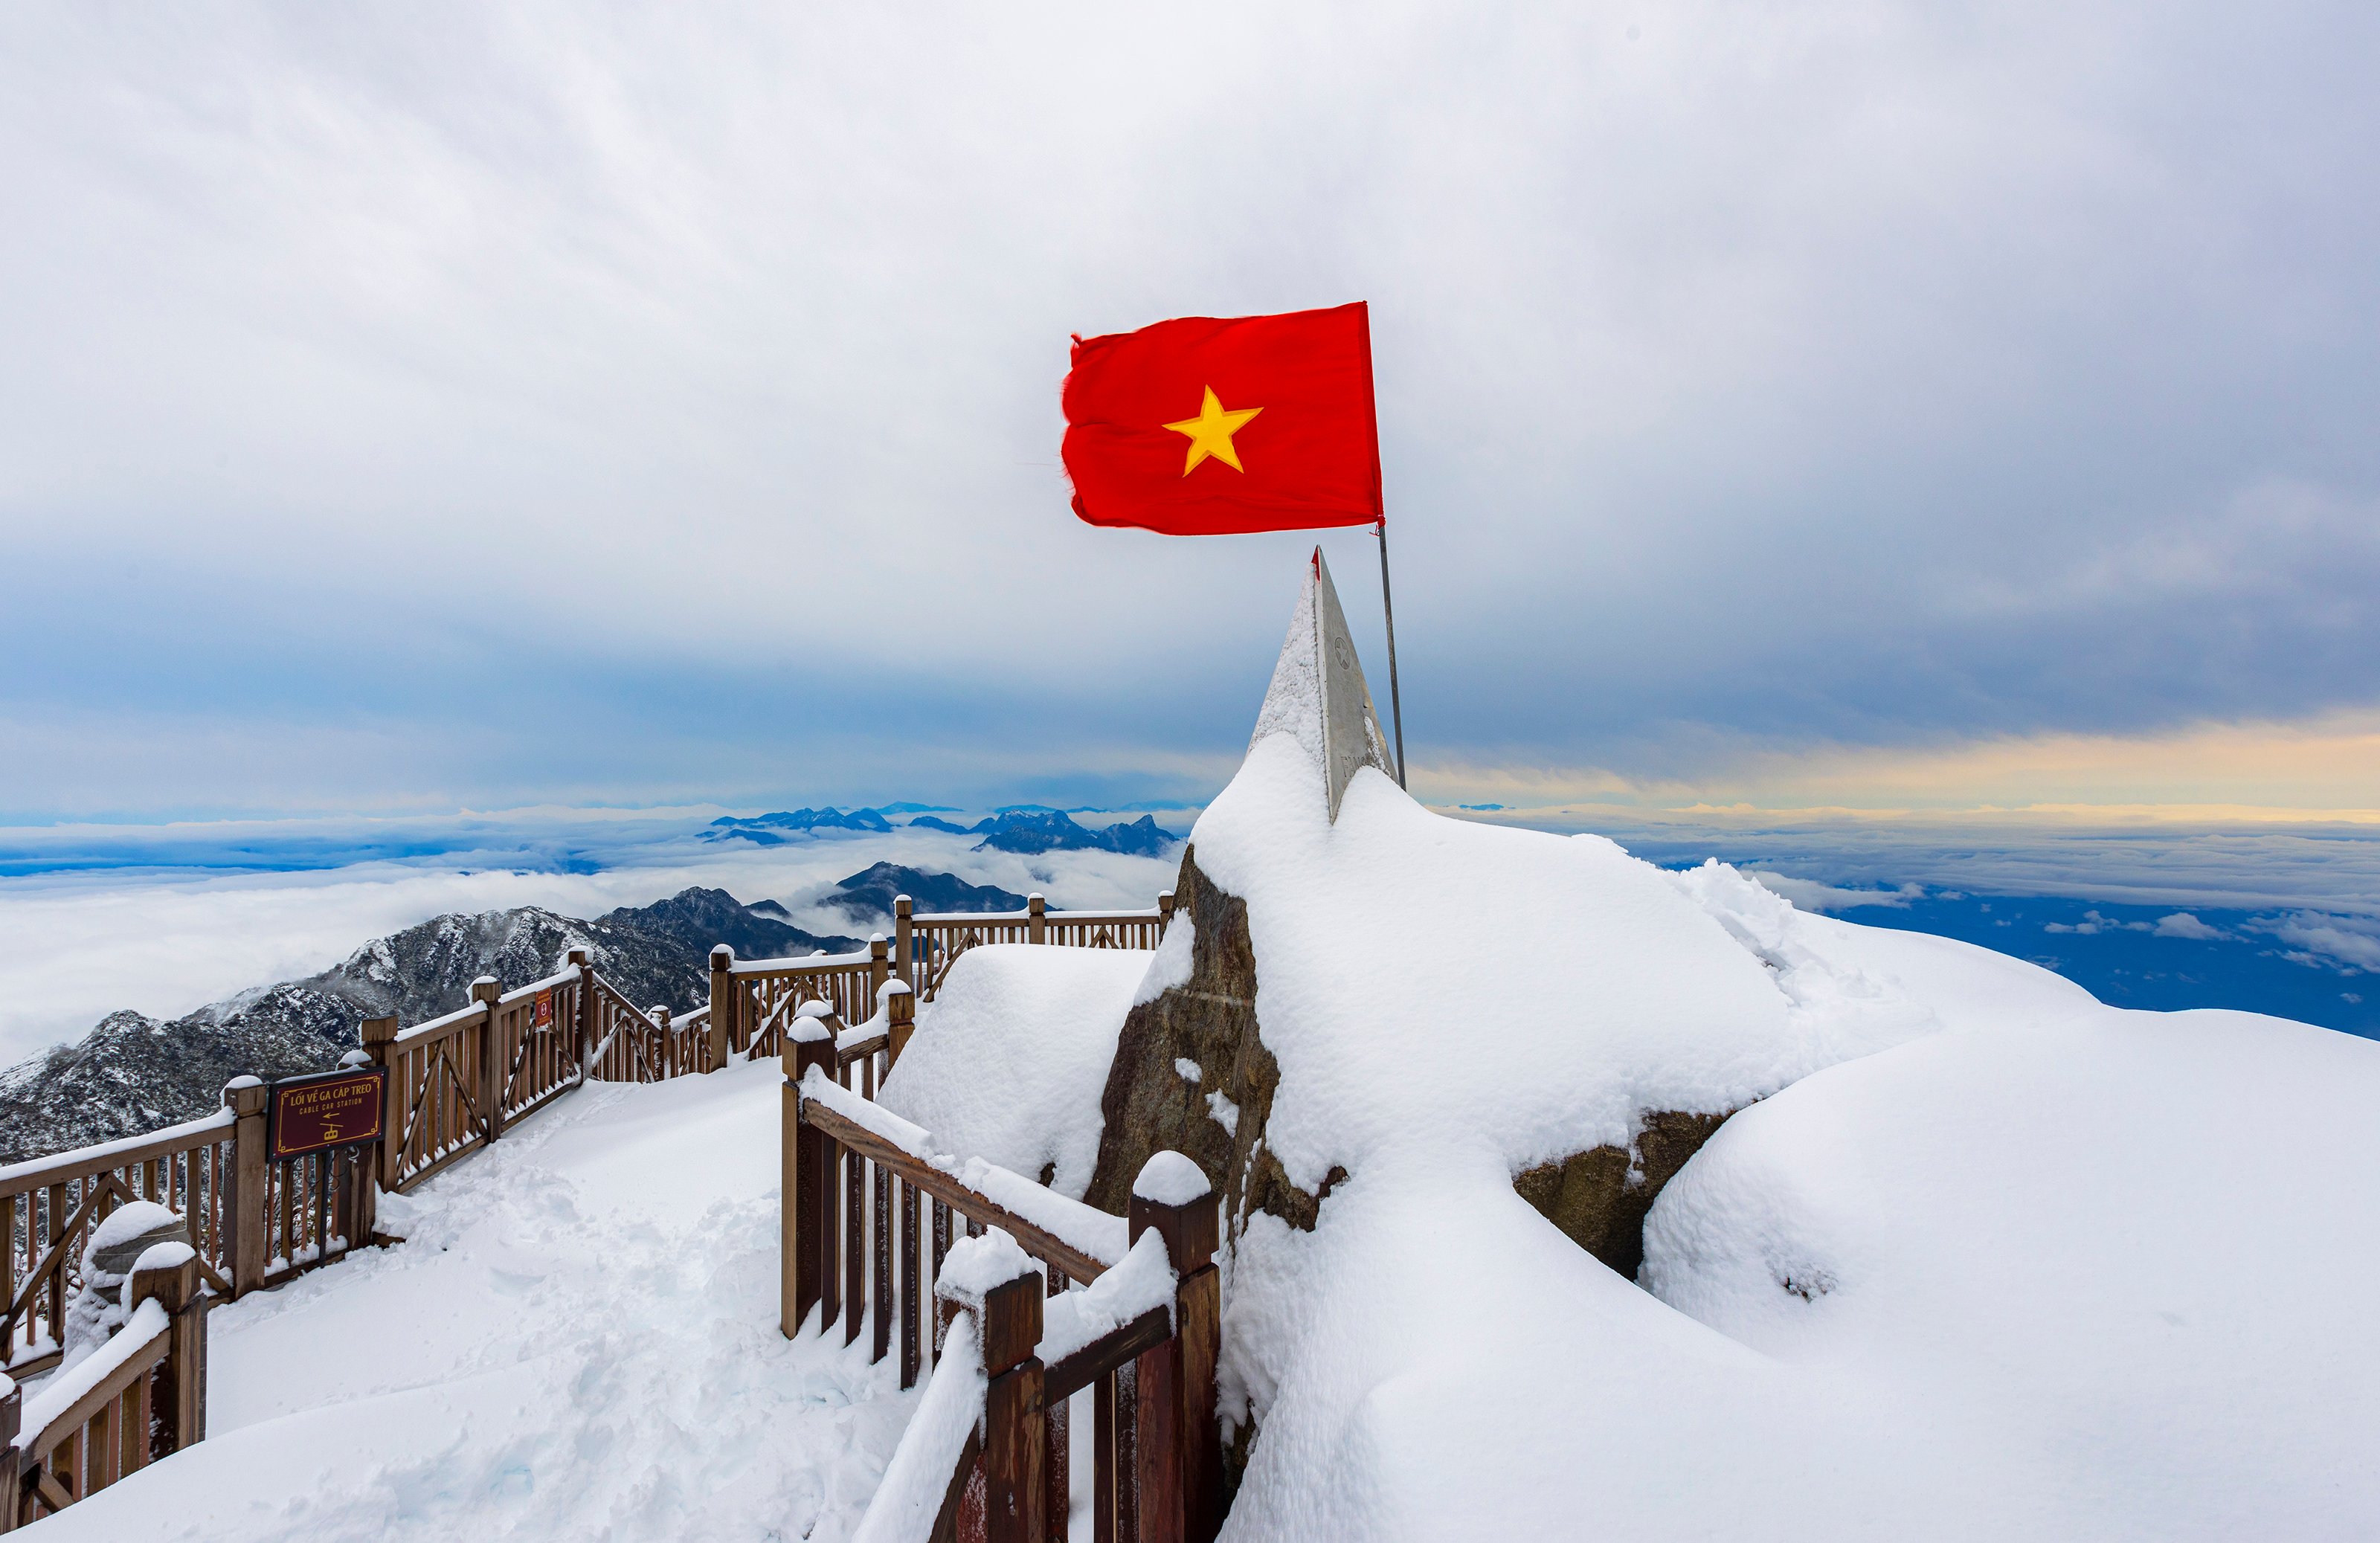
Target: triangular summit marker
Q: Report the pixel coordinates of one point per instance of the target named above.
(1318, 694)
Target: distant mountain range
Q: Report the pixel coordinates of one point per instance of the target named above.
(763, 829)
(1023, 828)
(133, 1072)
(868, 896)
(1031, 831)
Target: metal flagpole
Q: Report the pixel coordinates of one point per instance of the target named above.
(1396, 709)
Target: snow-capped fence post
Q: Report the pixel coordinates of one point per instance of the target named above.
(245, 1213)
(1180, 1452)
(1164, 911)
(904, 954)
(178, 1389)
(880, 965)
(490, 1091)
(1037, 923)
(378, 1034)
(805, 1194)
(726, 1034)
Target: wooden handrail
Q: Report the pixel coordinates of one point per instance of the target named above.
(140, 1397)
(1070, 1374)
(973, 1204)
(21, 1178)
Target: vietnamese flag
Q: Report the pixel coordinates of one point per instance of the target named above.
(1210, 426)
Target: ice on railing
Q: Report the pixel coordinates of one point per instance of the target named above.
(1142, 1281)
(95, 1158)
(60, 1392)
(909, 1498)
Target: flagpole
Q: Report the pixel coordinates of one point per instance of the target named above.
(1388, 611)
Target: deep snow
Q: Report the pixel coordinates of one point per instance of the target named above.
(1924, 1290)
(1011, 1056)
(577, 1341)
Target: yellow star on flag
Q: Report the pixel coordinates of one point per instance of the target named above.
(1211, 433)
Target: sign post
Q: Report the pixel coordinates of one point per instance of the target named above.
(326, 1117)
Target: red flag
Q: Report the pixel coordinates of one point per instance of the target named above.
(1210, 426)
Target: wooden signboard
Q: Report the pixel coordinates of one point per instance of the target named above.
(332, 1109)
(544, 1018)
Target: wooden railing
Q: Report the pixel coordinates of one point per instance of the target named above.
(752, 1000)
(633, 1044)
(50, 1205)
(140, 1397)
(867, 1223)
(925, 946)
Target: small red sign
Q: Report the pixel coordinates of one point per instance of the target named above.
(313, 1114)
(545, 1008)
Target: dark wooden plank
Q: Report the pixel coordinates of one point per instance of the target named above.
(942, 1247)
(1057, 1496)
(1015, 1456)
(1198, 1313)
(1103, 1477)
(1127, 1452)
(1158, 1445)
(829, 1224)
(913, 1299)
(855, 1246)
(879, 1196)
(858, 1050)
(1117, 1347)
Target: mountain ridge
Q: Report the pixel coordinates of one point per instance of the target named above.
(132, 1073)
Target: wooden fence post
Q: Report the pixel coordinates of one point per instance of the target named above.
(490, 1091)
(806, 1200)
(900, 1019)
(12, 1413)
(582, 1024)
(1014, 1455)
(1036, 928)
(380, 1036)
(879, 967)
(359, 1204)
(724, 1027)
(904, 958)
(1180, 1447)
(1164, 911)
(178, 1389)
(245, 1096)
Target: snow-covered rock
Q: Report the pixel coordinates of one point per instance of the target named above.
(1009, 1058)
(2122, 1264)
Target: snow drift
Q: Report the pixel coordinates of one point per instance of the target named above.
(1979, 1257)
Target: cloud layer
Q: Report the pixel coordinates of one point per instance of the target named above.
(410, 408)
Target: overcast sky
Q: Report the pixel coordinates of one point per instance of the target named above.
(406, 407)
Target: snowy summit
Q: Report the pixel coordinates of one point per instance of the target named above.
(1562, 1195)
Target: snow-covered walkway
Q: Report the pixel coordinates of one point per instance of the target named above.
(577, 1340)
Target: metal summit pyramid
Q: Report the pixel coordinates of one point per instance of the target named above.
(1318, 693)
